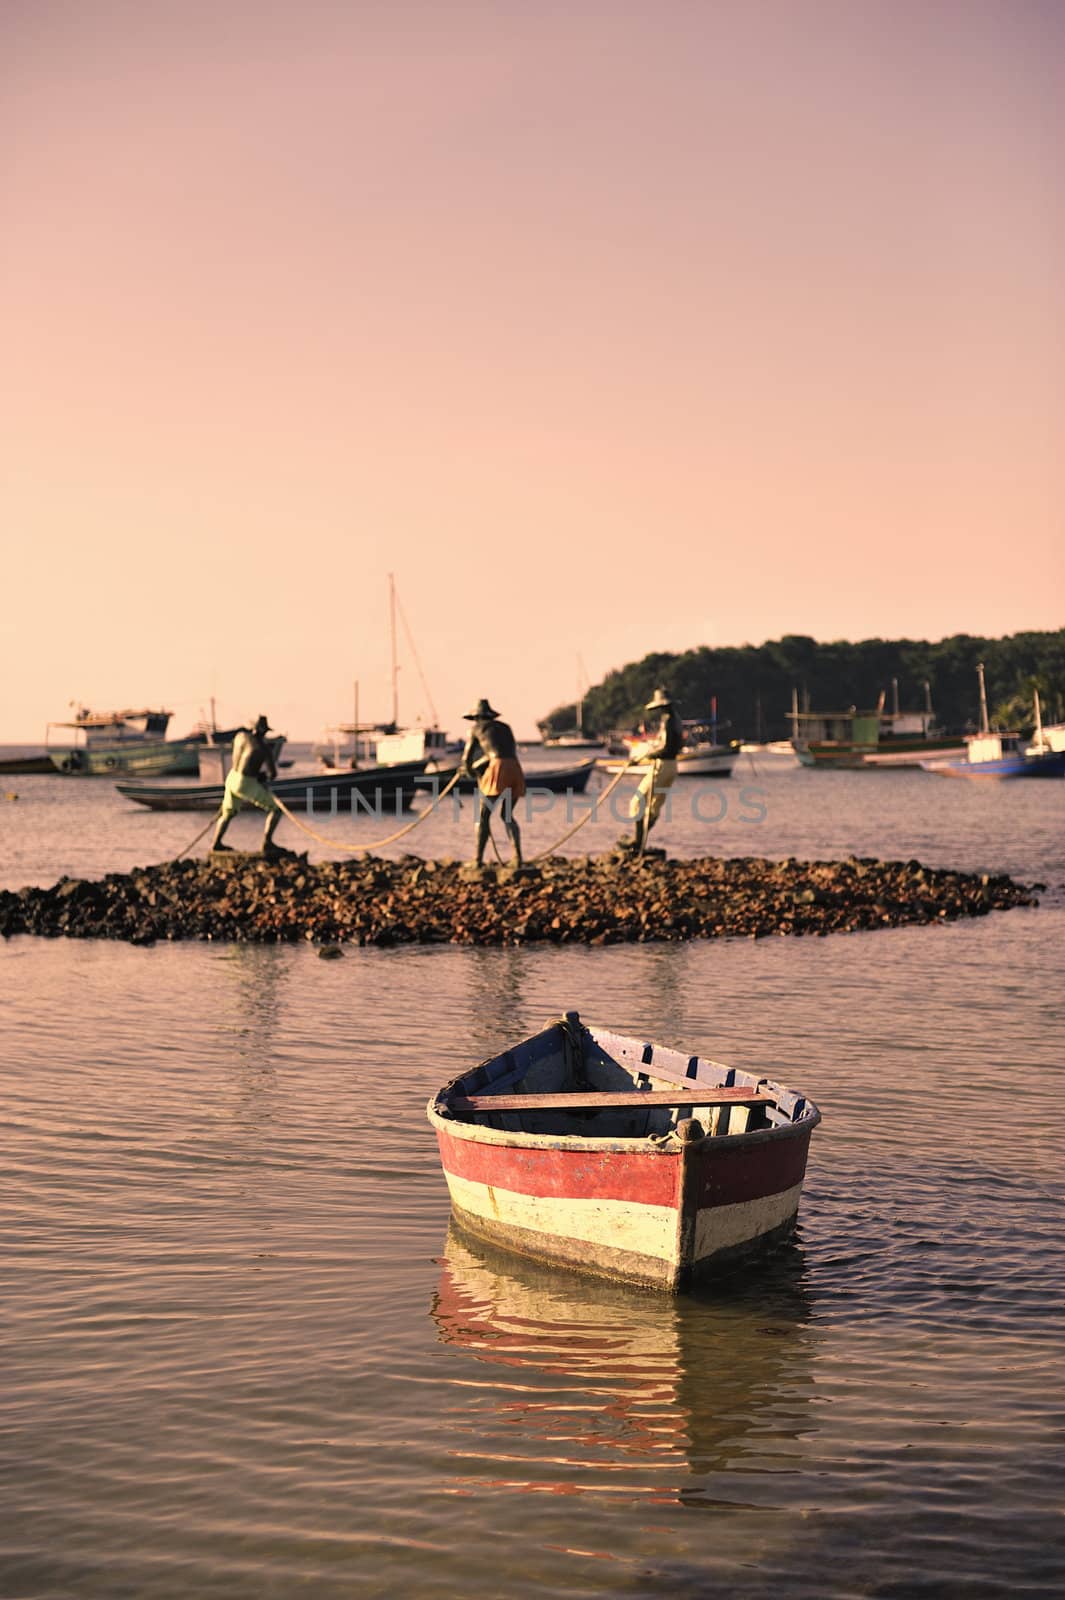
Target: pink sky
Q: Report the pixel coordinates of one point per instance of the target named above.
(607, 327)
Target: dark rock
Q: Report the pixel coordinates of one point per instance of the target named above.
(601, 900)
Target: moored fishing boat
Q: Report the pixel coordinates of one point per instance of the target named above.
(701, 755)
(694, 761)
(989, 754)
(876, 740)
(1000, 755)
(105, 743)
(369, 790)
(622, 1158)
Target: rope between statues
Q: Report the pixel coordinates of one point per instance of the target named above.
(376, 844)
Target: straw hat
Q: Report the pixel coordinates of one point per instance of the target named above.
(482, 712)
(659, 701)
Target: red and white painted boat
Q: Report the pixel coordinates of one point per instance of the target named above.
(622, 1158)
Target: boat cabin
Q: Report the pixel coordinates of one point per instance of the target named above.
(857, 731)
(101, 729)
(414, 744)
(993, 746)
(384, 744)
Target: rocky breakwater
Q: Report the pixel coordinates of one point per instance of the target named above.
(585, 900)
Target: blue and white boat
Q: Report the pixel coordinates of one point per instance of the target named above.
(1002, 755)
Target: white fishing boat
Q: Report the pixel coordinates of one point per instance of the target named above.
(701, 755)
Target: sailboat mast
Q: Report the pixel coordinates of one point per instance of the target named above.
(984, 725)
(1038, 722)
(392, 635)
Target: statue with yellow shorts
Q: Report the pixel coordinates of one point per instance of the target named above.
(659, 753)
(252, 754)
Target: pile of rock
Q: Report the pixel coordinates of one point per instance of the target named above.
(584, 900)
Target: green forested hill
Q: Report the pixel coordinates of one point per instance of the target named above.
(754, 683)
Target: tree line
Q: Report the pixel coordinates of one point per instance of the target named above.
(753, 684)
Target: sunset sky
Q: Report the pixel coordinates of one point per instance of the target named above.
(607, 327)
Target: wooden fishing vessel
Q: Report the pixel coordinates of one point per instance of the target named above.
(876, 740)
(621, 1158)
(701, 755)
(107, 743)
(369, 790)
(699, 760)
(989, 754)
(1000, 755)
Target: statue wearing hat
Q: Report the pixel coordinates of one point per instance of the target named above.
(491, 756)
(660, 753)
(252, 753)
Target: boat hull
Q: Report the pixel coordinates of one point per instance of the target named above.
(884, 754)
(26, 764)
(325, 794)
(1049, 765)
(690, 764)
(667, 1220)
(167, 758)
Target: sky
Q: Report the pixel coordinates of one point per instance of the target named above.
(606, 326)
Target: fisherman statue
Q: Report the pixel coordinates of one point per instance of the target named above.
(491, 757)
(252, 754)
(659, 752)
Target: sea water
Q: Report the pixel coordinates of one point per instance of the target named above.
(244, 1355)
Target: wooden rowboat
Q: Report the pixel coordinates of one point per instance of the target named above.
(368, 790)
(620, 1158)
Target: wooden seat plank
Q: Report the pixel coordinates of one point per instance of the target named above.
(596, 1100)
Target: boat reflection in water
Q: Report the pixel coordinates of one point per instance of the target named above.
(603, 1388)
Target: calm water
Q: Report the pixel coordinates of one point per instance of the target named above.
(244, 1357)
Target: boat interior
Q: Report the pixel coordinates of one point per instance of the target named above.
(647, 1091)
